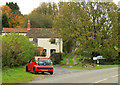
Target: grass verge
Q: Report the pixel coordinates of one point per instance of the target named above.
(56, 65)
(17, 75)
(96, 67)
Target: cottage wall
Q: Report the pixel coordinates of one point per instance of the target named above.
(46, 44)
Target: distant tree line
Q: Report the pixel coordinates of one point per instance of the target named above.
(43, 16)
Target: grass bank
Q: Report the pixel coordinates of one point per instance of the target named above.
(17, 75)
(79, 66)
(64, 59)
(70, 60)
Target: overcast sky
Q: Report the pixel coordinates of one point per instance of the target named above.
(26, 6)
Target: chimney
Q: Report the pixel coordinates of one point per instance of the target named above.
(28, 26)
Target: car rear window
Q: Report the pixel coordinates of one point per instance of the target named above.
(43, 61)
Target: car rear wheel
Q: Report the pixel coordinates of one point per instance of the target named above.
(34, 71)
(27, 69)
(51, 72)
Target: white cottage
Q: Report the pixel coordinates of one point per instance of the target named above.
(45, 39)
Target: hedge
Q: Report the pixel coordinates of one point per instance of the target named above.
(16, 50)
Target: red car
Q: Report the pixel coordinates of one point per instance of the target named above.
(40, 64)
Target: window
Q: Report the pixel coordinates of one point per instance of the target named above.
(32, 60)
(52, 51)
(35, 40)
(44, 52)
(43, 61)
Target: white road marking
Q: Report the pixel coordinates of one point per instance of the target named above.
(115, 76)
(106, 79)
(101, 80)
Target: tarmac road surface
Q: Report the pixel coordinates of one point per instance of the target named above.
(65, 75)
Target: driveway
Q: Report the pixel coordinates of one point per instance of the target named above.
(65, 75)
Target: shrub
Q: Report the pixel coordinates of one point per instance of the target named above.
(52, 41)
(16, 50)
(56, 58)
(64, 54)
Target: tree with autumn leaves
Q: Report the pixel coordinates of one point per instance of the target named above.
(12, 18)
(93, 26)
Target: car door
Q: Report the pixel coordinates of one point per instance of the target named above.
(32, 63)
(29, 65)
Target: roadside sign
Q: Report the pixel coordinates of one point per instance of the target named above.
(99, 57)
(94, 58)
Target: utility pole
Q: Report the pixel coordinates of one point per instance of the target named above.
(0, 46)
(0, 21)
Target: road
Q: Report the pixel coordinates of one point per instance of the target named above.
(65, 75)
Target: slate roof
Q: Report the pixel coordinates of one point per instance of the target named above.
(33, 32)
(41, 33)
(16, 30)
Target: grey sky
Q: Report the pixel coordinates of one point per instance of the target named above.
(26, 6)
